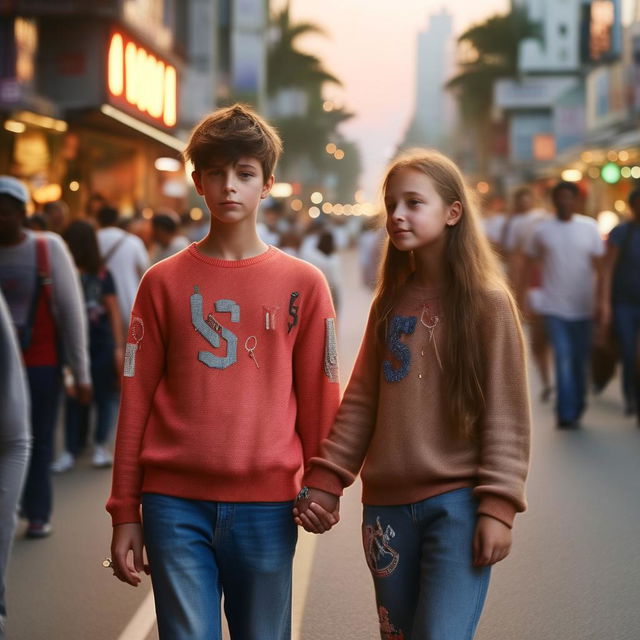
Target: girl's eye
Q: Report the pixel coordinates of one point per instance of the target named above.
(413, 202)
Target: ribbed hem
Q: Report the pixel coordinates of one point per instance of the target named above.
(325, 480)
(193, 250)
(498, 508)
(122, 513)
(275, 486)
(384, 495)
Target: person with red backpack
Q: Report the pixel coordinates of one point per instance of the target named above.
(38, 280)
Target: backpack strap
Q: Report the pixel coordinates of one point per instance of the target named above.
(43, 286)
(107, 256)
(44, 267)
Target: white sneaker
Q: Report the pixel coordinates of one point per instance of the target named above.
(64, 462)
(101, 458)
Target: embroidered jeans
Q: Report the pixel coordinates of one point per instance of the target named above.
(420, 557)
(199, 550)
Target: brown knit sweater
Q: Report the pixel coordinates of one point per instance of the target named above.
(393, 418)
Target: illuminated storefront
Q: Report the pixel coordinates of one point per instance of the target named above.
(111, 109)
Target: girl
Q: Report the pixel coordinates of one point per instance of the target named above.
(437, 409)
(105, 349)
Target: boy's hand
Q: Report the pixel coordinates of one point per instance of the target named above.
(318, 512)
(128, 537)
(491, 541)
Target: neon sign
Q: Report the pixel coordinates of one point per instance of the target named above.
(139, 80)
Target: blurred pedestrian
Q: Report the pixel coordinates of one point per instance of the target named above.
(319, 249)
(14, 442)
(437, 409)
(269, 229)
(56, 215)
(620, 300)
(370, 248)
(524, 220)
(35, 222)
(569, 249)
(230, 382)
(39, 282)
(125, 255)
(106, 342)
(95, 202)
(166, 236)
(495, 222)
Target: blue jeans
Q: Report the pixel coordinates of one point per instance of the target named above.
(105, 400)
(420, 557)
(571, 341)
(45, 388)
(199, 550)
(626, 318)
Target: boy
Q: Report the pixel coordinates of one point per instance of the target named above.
(230, 383)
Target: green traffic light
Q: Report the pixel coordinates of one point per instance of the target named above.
(610, 173)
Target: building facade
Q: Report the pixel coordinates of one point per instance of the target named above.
(99, 97)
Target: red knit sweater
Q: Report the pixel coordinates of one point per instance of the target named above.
(202, 419)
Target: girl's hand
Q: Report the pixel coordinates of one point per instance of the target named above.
(128, 537)
(318, 512)
(491, 541)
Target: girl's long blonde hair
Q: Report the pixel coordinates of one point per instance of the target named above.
(471, 270)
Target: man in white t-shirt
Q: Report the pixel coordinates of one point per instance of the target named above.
(126, 257)
(569, 248)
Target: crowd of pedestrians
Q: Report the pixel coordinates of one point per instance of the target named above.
(579, 291)
(75, 318)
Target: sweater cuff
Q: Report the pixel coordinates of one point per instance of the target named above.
(498, 508)
(123, 514)
(324, 479)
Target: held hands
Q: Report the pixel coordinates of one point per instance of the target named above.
(128, 537)
(317, 512)
(491, 541)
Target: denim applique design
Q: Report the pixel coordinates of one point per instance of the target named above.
(399, 325)
(213, 332)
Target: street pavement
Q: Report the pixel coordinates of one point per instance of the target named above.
(573, 574)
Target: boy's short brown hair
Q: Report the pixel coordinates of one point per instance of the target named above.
(230, 133)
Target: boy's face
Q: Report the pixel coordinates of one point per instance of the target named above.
(233, 191)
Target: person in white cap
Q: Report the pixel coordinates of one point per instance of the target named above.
(38, 280)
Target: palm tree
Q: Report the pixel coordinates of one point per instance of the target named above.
(492, 52)
(295, 81)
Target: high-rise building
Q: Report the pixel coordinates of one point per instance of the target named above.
(435, 108)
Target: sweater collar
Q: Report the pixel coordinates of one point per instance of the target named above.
(232, 264)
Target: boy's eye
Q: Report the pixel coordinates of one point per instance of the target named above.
(246, 174)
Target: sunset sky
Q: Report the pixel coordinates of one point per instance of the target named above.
(371, 47)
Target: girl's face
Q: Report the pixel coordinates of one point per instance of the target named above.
(416, 214)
